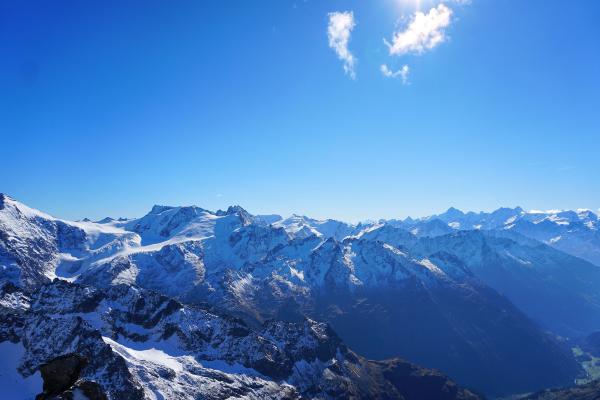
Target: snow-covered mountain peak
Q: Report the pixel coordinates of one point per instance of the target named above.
(268, 219)
(298, 226)
(166, 222)
(433, 227)
(16, 208)
(385, 233)
(397, 271)
(574, 231)
(163, 222)
(4, 199)
(453, 212)
(157, 209)
(302, 226)
(580, 214)
(238, 210)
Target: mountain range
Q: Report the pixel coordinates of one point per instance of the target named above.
(185, 302)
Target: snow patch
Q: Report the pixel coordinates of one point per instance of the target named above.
(432, 267)
(151, 355)
(555, 239)
(14, 386)
(454, 225)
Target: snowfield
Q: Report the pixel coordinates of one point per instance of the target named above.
(513, 275)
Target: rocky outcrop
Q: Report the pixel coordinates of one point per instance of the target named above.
(77, 337)
(386, 291)
(416, 383)
(61, 373)
(61, 377)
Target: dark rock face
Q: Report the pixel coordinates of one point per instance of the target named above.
(61, 373)
(69, 236)
(61, 377)
(417, 383)
(91, 391)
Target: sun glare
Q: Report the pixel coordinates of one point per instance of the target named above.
(410, 4)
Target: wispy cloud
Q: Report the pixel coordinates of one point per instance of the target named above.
(402, 73)
(338, 32)
(424, 32)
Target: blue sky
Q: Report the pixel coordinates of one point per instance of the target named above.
(108, 108)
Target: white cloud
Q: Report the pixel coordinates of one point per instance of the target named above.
(338, 32)
(402, 73)
(424, 32)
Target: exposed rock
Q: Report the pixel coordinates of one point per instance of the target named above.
(76, 344)
(61, 373)
(416, 383)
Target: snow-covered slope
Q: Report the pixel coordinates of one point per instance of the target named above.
(299, 226)
(129, 343)
(35, 247)
(559, 291)
(14, 385)
(574, 232)
(423, 289)
(383, 301)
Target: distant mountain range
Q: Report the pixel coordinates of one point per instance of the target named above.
(574, 232)
(230, 301)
